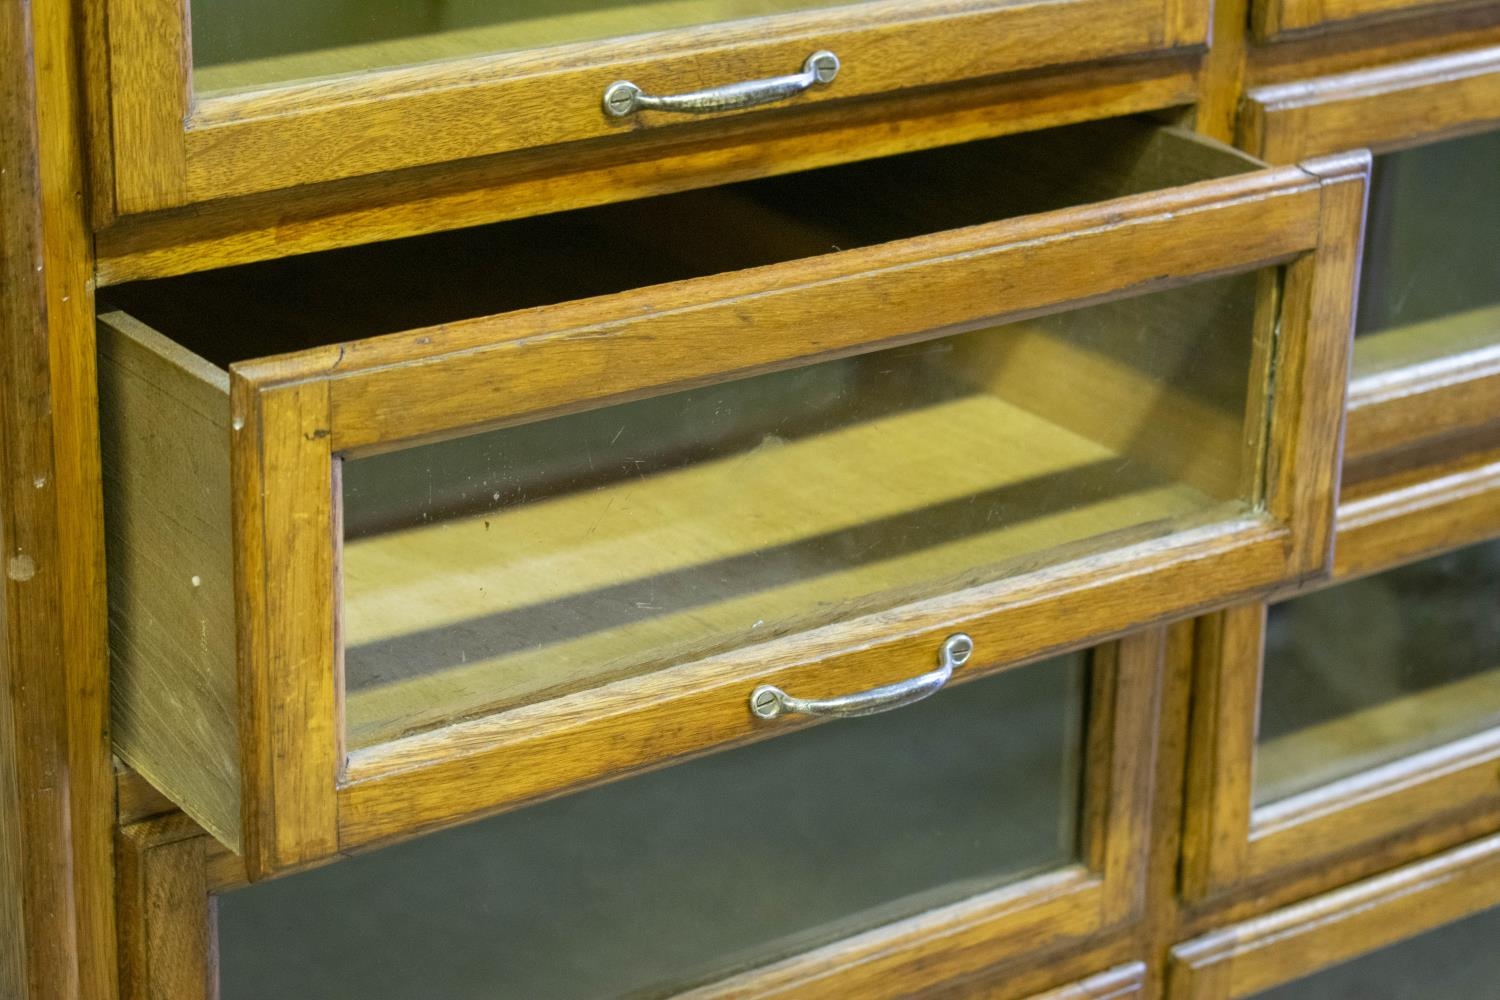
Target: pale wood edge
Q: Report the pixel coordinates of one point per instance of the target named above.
(1257, 954)
(165, 419)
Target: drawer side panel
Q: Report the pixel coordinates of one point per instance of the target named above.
(164, 416)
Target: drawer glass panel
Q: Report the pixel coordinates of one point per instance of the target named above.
(1458, 962)
(1430, 286)
(241, 44)
(684, 875)
(506, 567)
(1368, 672)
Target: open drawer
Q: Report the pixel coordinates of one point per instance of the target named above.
(385, 583)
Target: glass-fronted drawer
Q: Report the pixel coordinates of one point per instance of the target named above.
(1427, 355)
(223, 98)
(1351, 716)
(565, 519)
(860, 858)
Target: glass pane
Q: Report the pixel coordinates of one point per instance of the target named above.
(506, 567)
(1457, 962)
(1371, 671)
(239, 44)
(1431, 280)
(687, 874)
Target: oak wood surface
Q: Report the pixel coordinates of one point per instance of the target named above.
(168, 856)
(56, 903)
(167, 938)
(486, 190)
(1405, 516)
(1382, 108)
(1246, 958)
(448, 111)
(290, 413)
(1115, 984)
(1276, 19)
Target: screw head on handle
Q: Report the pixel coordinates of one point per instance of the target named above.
(765, 702)
(824, 66)
(620, 98)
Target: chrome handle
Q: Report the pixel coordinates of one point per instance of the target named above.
(625, 98)
(768, 702)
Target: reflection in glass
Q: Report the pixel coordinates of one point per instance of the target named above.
(690, 873)
(501, 568)
(1430, 285)
(240, 44)
(1373, 670)
(1458, 962)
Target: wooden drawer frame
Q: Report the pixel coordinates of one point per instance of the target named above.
(301, 797)
(1244, 959)
(1229, 844)
(1385, 109)
(1120, 983)
(172, 149)
(169, 870)
(1276, 20)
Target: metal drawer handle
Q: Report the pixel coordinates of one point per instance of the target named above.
(625, 98)
(768, 702)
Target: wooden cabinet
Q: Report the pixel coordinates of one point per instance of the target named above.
(474, 448)
(241, 97)
(864, 857)
(362, 634)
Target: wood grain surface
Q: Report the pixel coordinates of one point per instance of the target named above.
(56, 796)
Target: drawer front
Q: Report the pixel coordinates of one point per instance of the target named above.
(1427, 353)
(644, 506)
(1348, 717)
(1273, 20)
(874, 857)
(250, 99)
(1425, 930)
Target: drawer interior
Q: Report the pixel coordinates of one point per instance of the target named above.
(666, 880)
(273, 307)
(501, 567)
